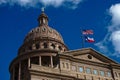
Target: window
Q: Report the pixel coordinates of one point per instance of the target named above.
(44, 20)
(38, 29)
(102, 73)
(45, 61)
(116, 74)
(95, 72)
(60, 48)
(37, 46)
(88, 70)
(67, 65)
(34, 60)
(53, 46)
(63, 65)
(89, 57)
(108, 74)
(80, 69)
(43, 29)
(45, 45)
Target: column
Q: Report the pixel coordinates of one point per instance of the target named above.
(33, 46)
(40, 60)
(51, 61)
(19, 74)
(28, 62)
(84, 69)
(49, 45)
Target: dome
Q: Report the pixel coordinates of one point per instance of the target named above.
(43, 38)
(43, 31)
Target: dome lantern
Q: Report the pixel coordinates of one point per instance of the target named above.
(43, 19)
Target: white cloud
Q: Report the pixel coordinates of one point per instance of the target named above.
(38, 3)
(115, 13)
(111, 42)
(55, 3)
(115, 38)
(3, 1)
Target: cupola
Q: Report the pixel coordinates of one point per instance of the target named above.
(43, 19)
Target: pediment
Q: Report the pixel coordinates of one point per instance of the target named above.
(90, 54)
(89, 57)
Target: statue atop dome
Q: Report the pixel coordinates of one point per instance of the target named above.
(42, 9)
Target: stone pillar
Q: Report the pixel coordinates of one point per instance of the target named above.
(33, 47)
(51, 59)
(40, 60)
(29, 63)
(41, 45)
(84, 70)
(49, 45)
(19, 71)
(112, 71)
(57, 47)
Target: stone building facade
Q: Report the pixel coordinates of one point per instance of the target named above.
(44, 56)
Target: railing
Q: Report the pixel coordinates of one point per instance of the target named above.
(51, 70)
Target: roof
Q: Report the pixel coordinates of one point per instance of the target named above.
(91, 51)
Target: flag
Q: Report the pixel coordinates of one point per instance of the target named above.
(87, 32)
(88, 39)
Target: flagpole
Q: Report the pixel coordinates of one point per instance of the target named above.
(82, 38)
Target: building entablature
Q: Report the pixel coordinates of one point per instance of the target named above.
(77, 60)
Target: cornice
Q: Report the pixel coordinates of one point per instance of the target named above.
(92, 52)
(71, 58)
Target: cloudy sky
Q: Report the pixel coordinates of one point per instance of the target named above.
(18, 17)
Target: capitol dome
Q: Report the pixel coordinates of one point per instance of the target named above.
(43, 37)
(43, 31)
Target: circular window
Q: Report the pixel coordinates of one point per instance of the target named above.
(89, 56)
(43, 29)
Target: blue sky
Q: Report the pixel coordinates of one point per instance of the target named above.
(18, 17)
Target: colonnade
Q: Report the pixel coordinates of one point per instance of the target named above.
(19, 64)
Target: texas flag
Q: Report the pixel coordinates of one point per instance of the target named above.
(88, 39)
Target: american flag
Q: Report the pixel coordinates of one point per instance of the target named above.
(87, 32)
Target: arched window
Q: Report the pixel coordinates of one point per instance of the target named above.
(64, 49)
(37, 46)
(60, 48)
(53, 46)
(38, 29)
(45, 45)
